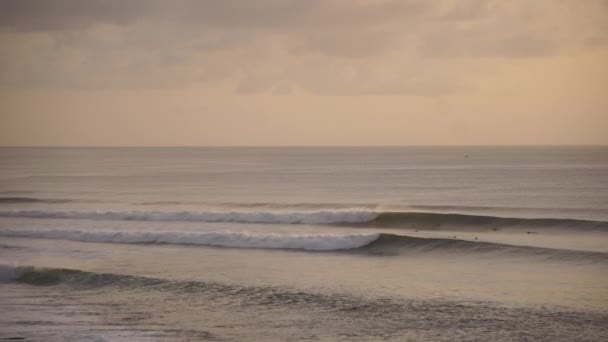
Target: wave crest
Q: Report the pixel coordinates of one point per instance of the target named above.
(352, 216)
(368, 244)
(316, 217)
(312, 242)
(439, 220)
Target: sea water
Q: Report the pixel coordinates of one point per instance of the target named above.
(304, 243)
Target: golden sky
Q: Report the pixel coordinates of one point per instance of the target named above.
(303, 72)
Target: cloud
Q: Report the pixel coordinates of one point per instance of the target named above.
(466, 10)
(46, 15)
(476, 43)
(282, 46)
(41, 15)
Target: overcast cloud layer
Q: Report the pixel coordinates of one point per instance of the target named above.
(408, 48)
(325, 47)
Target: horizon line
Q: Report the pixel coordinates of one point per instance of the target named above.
(300, 146)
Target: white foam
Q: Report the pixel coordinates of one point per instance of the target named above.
(316, 242)
(316, 217)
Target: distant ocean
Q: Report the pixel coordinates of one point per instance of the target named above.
(304, 243)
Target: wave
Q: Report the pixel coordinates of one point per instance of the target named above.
(8, 200)
(377, 207)
(369, 244)
(33, 275)
(391, 244)
(417, 315)
(354, 217)
(462, 209)
(315, 217)
(426, 220)
(267, 205)
(311, 242)
(47, 276)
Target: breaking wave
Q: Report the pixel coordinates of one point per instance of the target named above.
(267, 205)
(365, 244)
(316, 217)
(353, 216)
(311, 242)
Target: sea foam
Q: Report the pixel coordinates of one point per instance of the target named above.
(313, 242)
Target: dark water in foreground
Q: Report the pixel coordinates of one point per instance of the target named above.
(238, 244)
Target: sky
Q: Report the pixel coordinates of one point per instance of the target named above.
(303, 72)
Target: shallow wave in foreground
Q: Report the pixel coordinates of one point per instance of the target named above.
(421, 318)
(354, 216)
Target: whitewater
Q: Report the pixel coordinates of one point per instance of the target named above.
(209, 238)
(345, 216)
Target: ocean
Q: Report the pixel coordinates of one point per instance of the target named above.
(304, 243)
